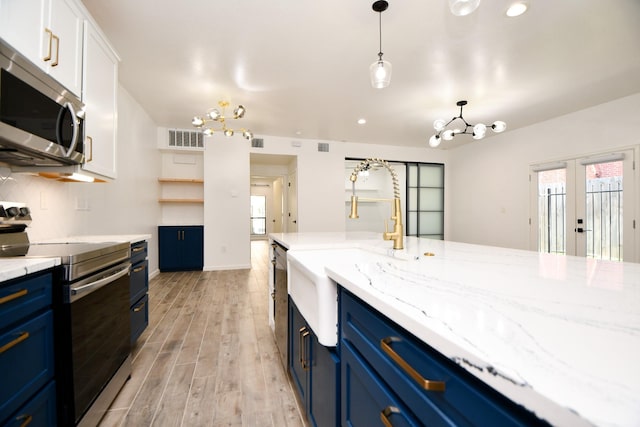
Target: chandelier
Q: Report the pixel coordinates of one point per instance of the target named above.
(215, 115)
(477, 131)
(380, 70)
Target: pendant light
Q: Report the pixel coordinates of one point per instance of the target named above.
(380, 70)
(463, 7)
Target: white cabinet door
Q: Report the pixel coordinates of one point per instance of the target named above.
(22, 24)
(65, 25)
(49, 34)
(99, 95)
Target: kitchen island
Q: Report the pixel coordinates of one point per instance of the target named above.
(557, 335)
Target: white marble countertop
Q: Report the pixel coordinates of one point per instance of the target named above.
(12, 268)
(558, 334)
(131, 238)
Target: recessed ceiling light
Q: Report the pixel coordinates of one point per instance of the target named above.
(362, 121)
(517, 9)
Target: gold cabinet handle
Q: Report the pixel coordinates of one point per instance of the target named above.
(13, 296)
(27, 420)
(138, 249)
(386, 413)
(90, 140)
(47, 57)
(426, 384)
(139, 308)
(139, 269)
(57, 39)
(15, 342)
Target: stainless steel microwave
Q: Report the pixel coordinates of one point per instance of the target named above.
(41, 122)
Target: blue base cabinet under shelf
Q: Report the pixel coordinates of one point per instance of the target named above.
(384, 369)
(315, 370)
(181, 248)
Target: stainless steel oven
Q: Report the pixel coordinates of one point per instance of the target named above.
(92, 343)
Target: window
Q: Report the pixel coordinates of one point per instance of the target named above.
(258, 215)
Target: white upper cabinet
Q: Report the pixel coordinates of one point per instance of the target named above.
(49, 33)
(99, 95)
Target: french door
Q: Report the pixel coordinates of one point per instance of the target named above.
(585, 207)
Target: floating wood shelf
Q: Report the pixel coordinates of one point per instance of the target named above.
(181, 200)
(181, 180)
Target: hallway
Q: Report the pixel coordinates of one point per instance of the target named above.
(208, 357)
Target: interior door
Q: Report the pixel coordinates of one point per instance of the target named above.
(585, 207)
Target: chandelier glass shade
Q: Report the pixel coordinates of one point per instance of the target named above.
(216, 116)
(460, 127)
(380, 70)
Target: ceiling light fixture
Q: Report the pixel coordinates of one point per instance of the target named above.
(380, 70)
(463, 7)
(517, 9)
(478, 131)
(215, 115)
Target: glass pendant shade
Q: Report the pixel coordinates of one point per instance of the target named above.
(208, 132)
(499, 126)
(463, 7)
(214, 114)
(238, 112)
(228, 132)
(197, 121)
(380, 72)
(439, 124)
(479, 131)
(447, 135)
(434, 141)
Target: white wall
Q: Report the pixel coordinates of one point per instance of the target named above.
(489, 179)
(127, 205)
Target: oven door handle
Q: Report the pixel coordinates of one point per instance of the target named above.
(80, 291)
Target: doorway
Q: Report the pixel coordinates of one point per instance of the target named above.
(585, 207)
(270, 178)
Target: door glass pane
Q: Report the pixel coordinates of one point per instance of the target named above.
(552, 198)
(431, 199)
(258, 215)
(431, 176)
(603, 207)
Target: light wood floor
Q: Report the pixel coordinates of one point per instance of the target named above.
(208, 357)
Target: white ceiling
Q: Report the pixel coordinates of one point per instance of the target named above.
(300, 67)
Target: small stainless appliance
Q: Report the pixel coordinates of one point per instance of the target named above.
(41, 122)
(91, 315)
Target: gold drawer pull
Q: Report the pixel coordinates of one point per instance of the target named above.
(13, 296)
(15, 342)
(139, 308)
(139, 269)
(138, 249)
(386, 413)
(429, 385)
(27, 420)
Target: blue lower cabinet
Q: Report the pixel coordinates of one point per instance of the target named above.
(138, 288)
(181, 248)
(139, 318)
(27, 361)
(40, 411)
(435, 390)
(366, 399)
(315, 370)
